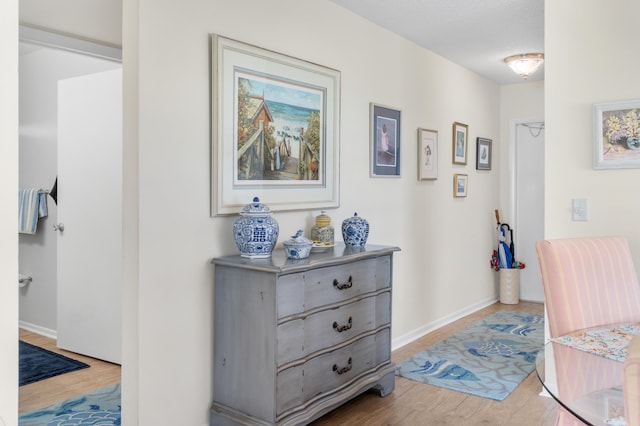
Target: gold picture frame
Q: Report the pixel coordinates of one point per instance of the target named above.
(460, 184)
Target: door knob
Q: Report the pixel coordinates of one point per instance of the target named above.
(59, 227)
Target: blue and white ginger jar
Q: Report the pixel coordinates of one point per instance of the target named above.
(355, 231)
(255, 231)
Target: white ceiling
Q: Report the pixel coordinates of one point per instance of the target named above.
(477, 34)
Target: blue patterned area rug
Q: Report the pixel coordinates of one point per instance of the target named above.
(37, 364)
(98, 408)
(489, 358)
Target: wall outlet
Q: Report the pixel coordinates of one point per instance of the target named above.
(580, 210)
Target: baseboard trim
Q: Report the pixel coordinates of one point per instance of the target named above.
(46, 332)
(407, 338)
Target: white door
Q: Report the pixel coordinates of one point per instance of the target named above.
(90, 209)
(529, 205)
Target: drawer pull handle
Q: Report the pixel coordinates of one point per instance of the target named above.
(342, 370)
(343, 286)
(340, 328)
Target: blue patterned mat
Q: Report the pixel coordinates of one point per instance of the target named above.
(489, 358)
(37, 363)
(98, 408)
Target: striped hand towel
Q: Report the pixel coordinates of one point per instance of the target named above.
(32, 205)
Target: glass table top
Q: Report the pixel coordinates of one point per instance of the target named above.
(587, 385)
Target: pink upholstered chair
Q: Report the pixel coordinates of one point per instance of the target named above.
(631, 383)
(587, 282)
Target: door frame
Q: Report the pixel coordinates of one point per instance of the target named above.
(59, 41)
(513, 150)
(75, 45)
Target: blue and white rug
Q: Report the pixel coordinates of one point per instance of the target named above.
(489, 358)
(98, 408)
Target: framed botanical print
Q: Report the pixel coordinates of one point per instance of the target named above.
(427, 154)
(460, 143)
(483, 154)
(616, 135)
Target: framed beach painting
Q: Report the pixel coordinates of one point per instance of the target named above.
(483, 154)
(385, 141)
(427, 154)
(460, 183)
(616, 135)
(275, 130)
(460, 139)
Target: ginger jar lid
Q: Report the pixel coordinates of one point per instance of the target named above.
(256, 208)
(355, 219)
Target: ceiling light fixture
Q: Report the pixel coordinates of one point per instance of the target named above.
(525, 64)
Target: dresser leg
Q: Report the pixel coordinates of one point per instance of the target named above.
(387, 384)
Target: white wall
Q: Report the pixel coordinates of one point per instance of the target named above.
(591, 57)
(8, 194)
(443, 268)
(40, 70)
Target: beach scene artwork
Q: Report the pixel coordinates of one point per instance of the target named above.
(279, 131)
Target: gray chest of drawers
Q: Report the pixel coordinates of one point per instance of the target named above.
(294, 339)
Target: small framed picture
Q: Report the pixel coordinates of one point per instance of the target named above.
(385, 141)
(427, 154)
(460, 183)
(616, 133)
(460, 138)
(483, 154)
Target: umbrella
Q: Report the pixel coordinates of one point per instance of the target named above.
(506, 252)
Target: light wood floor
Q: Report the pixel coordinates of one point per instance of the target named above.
(65, 386)
(411, 404)
(417, 404)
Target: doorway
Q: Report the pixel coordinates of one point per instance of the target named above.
(527, 195)
(42, 64)
(46, 59)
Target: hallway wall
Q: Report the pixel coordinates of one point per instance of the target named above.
(590, 51)
(443, 269)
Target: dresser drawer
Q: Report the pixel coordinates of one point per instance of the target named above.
(296, 386)
(304, 291)
(302, 337)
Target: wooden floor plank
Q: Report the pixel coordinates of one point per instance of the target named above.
(411, 404)
(65, 386)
